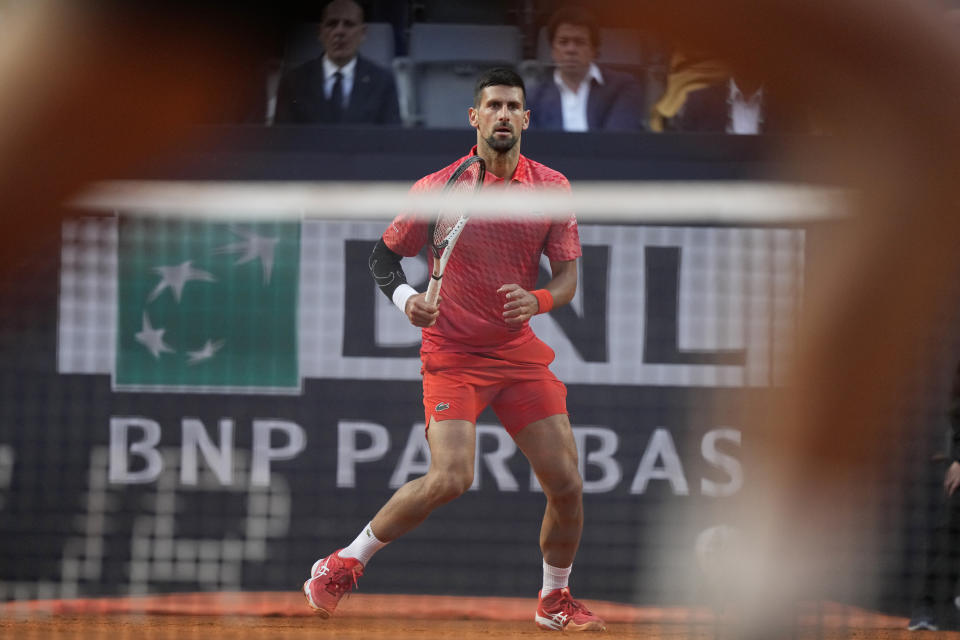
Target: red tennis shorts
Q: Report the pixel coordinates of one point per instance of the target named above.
(516, 382)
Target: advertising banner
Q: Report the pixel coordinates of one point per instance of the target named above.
(229, 402)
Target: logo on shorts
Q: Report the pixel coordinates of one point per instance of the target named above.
(443, 405)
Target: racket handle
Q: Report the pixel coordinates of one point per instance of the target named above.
(433, 290)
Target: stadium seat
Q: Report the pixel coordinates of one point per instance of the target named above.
(444, 62)
(489, 12)
(622, 48)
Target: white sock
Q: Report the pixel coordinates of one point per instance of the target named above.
(555, 577)
(364, 546)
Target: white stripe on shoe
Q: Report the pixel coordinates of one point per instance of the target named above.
(554, 622)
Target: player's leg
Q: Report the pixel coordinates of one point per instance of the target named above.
(452, 449)
(549, 446)
(534, 412)
(452, 445)
(532, 406)
(456, 396)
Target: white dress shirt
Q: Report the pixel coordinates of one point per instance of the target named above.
(347, 71)
(745, 113)
(574, 103)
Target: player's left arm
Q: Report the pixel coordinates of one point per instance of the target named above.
(521, 305)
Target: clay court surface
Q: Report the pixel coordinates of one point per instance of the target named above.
(256, 627)
(393, 617)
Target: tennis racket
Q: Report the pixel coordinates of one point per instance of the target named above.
(451, 220)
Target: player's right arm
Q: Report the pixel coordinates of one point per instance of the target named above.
(405, 236)
(387, 272)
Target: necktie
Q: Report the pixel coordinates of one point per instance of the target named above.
(336, 97)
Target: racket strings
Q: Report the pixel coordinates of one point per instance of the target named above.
(468, 182)
(445, 223)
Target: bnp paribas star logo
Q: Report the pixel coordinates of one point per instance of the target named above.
(207, 307)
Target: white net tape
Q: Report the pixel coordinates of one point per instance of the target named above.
(660, 202)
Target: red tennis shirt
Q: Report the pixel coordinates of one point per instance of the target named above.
(489, 254)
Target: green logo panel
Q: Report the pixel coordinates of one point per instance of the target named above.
(207, 307)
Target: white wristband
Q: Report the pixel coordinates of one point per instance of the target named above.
(401, 294)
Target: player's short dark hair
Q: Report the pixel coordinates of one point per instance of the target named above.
(577, 16)
(498, 76)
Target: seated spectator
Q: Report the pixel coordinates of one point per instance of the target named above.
(340, 86)
(581, 96)
(703, 96)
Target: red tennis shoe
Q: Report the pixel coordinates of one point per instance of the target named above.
(558, 611)
(330, 579)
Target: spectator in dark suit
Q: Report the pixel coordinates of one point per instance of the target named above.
(340, 86)
(581, 96)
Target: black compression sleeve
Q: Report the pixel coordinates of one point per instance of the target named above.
(385, 268)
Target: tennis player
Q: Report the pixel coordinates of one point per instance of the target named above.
(478, 350)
